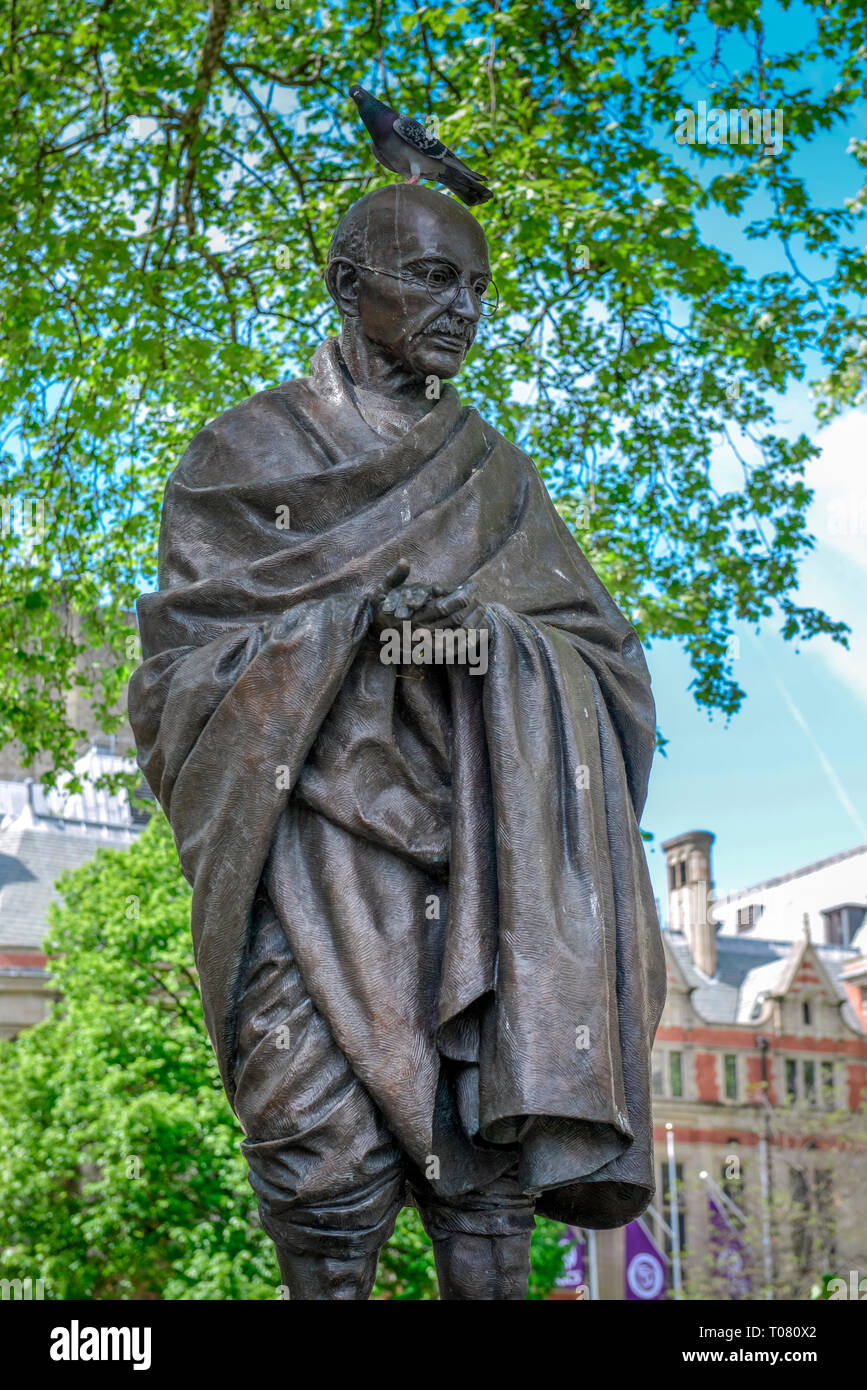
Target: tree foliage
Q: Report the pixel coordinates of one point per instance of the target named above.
(119, 1161)
(120, 1167)
(172, 175)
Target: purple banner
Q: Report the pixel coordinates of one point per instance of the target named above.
(644, 1265)
(727, 1253)
(572, 1275)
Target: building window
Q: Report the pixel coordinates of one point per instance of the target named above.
(730, 1068)
(791, 1080)
(841, 923)
(681, 873)
(810, 1082)
(657, 1074)
(666, 1073)
(675, 1073)
(805, 1013)
(828, 1088)
(833, 927)
(748, 916)
(803, 1082)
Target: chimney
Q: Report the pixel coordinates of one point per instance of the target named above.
(690, 894)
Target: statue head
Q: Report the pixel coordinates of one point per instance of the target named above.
(408, 270)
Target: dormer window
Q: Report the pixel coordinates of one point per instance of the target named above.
(748, 916)
(841, 923)
(806, 1014)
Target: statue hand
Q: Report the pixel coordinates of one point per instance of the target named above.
(457, 609)
(404, 601)
(395, 576)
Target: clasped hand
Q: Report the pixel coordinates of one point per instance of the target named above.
(427, 605)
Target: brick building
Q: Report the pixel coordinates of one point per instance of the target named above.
(44, 832)
(41, 834)
(760, 1061)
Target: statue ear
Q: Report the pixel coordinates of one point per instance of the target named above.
(341, 280)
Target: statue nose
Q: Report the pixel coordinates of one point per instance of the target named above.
(465, 304)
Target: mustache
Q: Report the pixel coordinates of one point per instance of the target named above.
(452, 326)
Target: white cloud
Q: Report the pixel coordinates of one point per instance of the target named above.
(834, 575)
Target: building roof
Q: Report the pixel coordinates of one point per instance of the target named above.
(713, 999)
(794, 873)
(704, 837)
(750, 970)
(34, 851)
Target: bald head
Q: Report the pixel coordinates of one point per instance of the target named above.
(407, 268)
(381, 219)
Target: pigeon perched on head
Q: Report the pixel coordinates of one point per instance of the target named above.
(405, 147)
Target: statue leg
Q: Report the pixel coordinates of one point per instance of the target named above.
(325, 1168)
(329, 1250)
(481, 1239)
(316, 1276)
(495, 1268)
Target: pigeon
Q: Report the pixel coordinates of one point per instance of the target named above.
(405, 147)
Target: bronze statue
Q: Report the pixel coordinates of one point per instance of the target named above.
(430, 962)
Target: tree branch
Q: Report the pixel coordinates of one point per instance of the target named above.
(281, 151)
(208, 64)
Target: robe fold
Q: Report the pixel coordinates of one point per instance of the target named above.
(455, 860)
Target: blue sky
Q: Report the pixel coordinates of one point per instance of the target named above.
(784, 782)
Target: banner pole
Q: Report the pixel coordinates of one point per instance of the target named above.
(658, 1216)
(592, 1265)
(766, 1217)
(675, 1214)
(723, 1201)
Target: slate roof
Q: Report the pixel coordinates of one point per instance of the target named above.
(748, 970)
(761, 981)
(714, 999)
(32, 855)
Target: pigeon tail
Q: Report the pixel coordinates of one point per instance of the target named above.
(466, 186)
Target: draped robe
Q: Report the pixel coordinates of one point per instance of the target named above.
(455, 860)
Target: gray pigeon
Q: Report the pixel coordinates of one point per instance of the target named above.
(405, 147)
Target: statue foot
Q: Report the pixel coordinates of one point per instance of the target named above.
(323, 1277)
(483, 1267)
